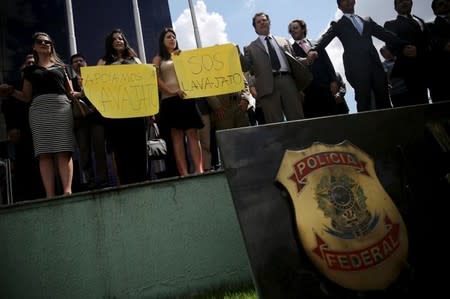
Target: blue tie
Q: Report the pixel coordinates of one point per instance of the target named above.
(357, 24)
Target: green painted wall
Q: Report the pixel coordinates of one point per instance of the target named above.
(152, 240)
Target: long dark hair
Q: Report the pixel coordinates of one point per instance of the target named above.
(111, 54)
(163, 52)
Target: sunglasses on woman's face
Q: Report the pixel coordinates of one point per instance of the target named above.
(43, 42)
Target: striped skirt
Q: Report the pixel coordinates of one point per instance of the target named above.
(51, 123)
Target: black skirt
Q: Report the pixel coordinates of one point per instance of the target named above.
(180, 114)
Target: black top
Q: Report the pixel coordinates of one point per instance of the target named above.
(46, 80)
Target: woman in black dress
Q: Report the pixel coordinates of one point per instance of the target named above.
(126, 137)
(181, 115)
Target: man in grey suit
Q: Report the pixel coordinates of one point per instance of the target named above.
(276, 92)
(362, 64)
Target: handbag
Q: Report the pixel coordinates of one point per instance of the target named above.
(79, 108)
(156, 146)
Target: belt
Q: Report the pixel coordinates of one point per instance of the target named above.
(276, 74)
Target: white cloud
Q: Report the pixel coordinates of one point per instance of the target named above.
(250, 4)
(211, 27)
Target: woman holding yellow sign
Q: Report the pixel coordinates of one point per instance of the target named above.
(180, 115)
(127, 136)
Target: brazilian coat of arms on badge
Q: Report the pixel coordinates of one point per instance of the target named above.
(347, 223)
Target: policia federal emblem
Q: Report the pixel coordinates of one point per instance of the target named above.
(347, 223)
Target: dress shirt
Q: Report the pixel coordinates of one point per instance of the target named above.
(356, 22)
(445, 17)
(303, 43)
(283, 62)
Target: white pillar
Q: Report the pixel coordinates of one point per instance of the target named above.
(71, 28)
(194, 23)
(139, 36)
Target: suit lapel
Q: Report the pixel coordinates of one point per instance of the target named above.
(259, 44)
(311, 43)
(365, 23)
(278, 42)
(409, 22)
(349, 23)
(298, 50)
(419, 22)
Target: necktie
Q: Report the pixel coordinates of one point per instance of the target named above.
(356, 23)
(273, 55)
(304, 46)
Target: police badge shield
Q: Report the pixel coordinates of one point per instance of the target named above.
(347, 223)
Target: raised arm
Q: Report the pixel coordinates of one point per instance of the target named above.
(327, 37)
(23, 95)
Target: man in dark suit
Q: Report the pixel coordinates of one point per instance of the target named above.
(413, 70)
(440, 51)
(25, 170)
(363, 68)
(276, 92)
(319, 95)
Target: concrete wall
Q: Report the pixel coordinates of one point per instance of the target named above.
(152, 240)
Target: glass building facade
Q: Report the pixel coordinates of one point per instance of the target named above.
(93, 20)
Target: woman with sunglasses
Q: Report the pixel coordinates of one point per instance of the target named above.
(51, 122)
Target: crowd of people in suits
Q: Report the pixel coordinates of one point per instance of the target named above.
(113, 152)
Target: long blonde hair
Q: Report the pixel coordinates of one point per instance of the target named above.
(54, 57)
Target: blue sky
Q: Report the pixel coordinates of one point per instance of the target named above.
(230, 21)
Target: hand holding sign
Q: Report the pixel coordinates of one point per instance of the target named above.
(122, 91)
(209, 71)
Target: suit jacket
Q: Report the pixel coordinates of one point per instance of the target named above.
(359, 51)
(439, 37)
(440, 59)
(322, 68)
(410, 31)
(439, 34)
(319, 101)
(258, 62)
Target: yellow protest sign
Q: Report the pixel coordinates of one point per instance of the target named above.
(209, 71)
(122, 91)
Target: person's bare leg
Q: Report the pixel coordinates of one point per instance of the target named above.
(179, 152)
(195, 149)
(65, 168)
(47, 170)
